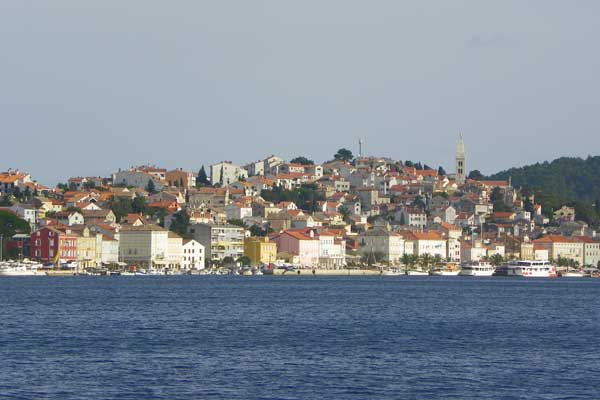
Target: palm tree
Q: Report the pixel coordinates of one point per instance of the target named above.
(426, 259)
(496, 259)
(406, 259)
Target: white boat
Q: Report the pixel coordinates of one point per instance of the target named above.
(532, 269)
(477, 268)
(573, 274)
(20, 269)
(391, 272)
(415, 272)
(443, 272)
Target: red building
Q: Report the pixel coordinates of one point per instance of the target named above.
(49, 241)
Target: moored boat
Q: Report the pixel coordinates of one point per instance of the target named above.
(416, 272)
(477, 268)
(532, 269)
(573, 274)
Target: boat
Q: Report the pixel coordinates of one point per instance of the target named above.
(15, 268)
(477, 268)
(445, 270)
(416, 272)
(392, 272)
(501, 270)
(532, 269)
(573, 274)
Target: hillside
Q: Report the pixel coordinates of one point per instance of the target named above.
(568, 178)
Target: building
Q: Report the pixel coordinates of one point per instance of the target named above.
(591, 251)
(461, 161)
(414, 217)
(303, 245)
(89, 246)
(193, 255)
(109, 253)
(226, 172)
(140, 177)
(52, 245)
(180, 178)
(27, 212)
(432, 243)
(219, 241)
(379, 241)
(145, 246)
(565, 214)
(260, 250)
(174, 256)
(561, 246)
(11, 179)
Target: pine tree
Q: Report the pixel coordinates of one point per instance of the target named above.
(202, 179)
(151, 187)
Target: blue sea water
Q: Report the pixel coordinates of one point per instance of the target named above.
(201, 337)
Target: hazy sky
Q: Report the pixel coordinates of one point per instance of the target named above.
(87, 87)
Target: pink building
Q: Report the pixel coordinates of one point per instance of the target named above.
(305, 246)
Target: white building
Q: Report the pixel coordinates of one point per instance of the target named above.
(591, 251)
(135, 178)
(432, 243)
(145, 246)
(238, 211)
(381, 241)
(27, 212)
(109, 253)
(193, 255)
(174, 254)
(226, 172)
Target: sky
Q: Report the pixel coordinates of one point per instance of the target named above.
(87, 87)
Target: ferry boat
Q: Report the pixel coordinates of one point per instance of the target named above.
(477, 268)
(532, 269)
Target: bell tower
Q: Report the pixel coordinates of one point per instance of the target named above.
(461, 161)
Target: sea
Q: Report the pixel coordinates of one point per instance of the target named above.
(265, 337)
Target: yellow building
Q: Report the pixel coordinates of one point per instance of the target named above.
(260, 250)
(89, 248)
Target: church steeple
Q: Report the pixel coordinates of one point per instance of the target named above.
(461, 161)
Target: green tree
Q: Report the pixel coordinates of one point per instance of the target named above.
(139, 205)
(476, 175)
(10, 224)
(305, 197)
(256, 230)
(425, 260)
(236, 222)
(301, 160)
(441, 171)
(244, 261)
(344, 155)
(202, 178)
(228, 260)
(180, 224)
(345, 212)
(121, 207)
(496, 259)
(151, 187)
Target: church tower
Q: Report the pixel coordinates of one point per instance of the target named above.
(461, 161)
